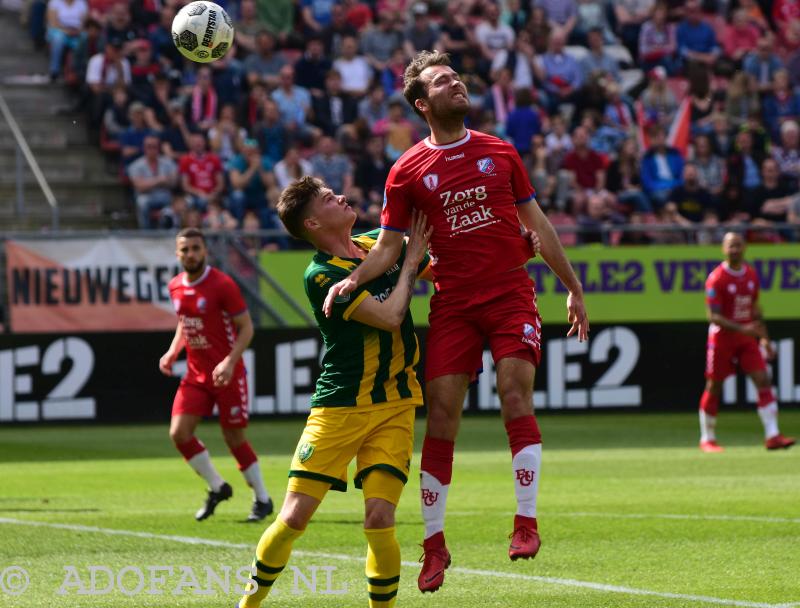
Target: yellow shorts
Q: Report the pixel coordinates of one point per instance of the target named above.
(380, 438)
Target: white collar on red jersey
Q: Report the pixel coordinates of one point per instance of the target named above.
(454, 144)
(186, 283)
(736, 273)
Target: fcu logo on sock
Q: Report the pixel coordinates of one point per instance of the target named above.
(524, 477)
(429, 498)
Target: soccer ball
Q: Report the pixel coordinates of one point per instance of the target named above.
(202, 31)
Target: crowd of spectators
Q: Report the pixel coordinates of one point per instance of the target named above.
(588, 92)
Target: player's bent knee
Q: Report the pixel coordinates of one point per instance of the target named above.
(379, 513)
(443, 421)
(516, 403)
(180, 436)
(297, 510)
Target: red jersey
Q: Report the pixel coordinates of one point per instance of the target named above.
(469, 190)
(585, 168)
(205, 310)
(202, 170)
(733, 293)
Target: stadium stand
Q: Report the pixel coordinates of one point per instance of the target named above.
(318, 88)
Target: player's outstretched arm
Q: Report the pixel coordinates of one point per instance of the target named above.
(389, 314)
(175, 348)
(556, 258)
(223, 372)
(382, 255)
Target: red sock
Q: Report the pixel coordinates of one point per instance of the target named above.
(709, 403)
(437, 458)
(244, 455)
(522, 432)
(765, 396)
(434, 542)
(191, 448)
(520, 521)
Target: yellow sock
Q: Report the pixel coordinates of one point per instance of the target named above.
(383, 567)
(272, 553)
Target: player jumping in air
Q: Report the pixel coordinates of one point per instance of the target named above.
(365, 398)
(476, 193)
(734, 336)
(215, 328)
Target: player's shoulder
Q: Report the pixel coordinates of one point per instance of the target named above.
(324, 270)
(412, 154)
(176, 282)
(218, 281)
(485, 139)
(367, 239)
(215, 275)
(718, 273)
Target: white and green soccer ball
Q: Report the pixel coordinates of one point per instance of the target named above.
(202, 31)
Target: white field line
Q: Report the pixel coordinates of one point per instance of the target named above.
(681, 516)
(676, 516)
(564, 582)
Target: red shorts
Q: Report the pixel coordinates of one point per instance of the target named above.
(727, 352)
(199, 399)
(504, 313)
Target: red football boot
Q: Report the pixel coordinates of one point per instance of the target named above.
(711, 446)
(779, 442)
(525, 541)
(435, 560)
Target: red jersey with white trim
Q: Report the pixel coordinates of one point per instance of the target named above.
(732, 292)
(206, 308)
(469, 190)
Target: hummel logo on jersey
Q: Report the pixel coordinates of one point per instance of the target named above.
(485, 165)
(431, 181)
(454, 157)
(524, 477)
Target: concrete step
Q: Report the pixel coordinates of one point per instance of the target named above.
(51, 174)
(89, 166)
(41, 142)
(24, 97)
(59, 138)
(35, 222)
(55, 174)
(93, 197)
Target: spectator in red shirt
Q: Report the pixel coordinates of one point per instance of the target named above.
(587, 166)
(740, 36)
(201, 172)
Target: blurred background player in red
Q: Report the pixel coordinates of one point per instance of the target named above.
(215, 327)
(476, 192)
(736, 337)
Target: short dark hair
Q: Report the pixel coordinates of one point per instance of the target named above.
(413, 86)
(191, 233)
(294, 202)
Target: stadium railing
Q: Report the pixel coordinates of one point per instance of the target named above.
(23, 151)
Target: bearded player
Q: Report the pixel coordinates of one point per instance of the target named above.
(476, 193)
(215, 328)
(734, 337)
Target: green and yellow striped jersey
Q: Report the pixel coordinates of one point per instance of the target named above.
(362, 365)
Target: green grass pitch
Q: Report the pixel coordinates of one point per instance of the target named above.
(631, 514)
